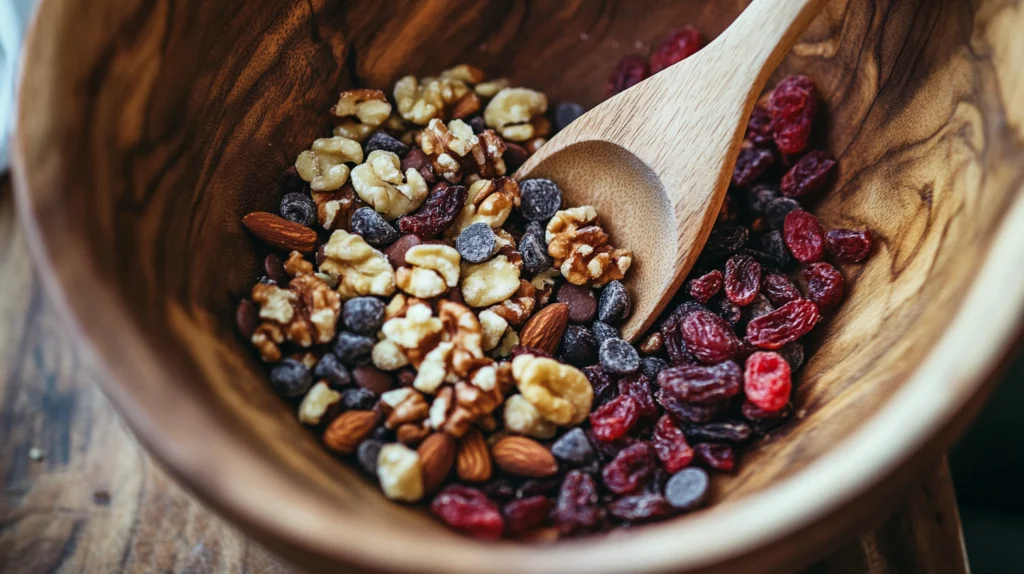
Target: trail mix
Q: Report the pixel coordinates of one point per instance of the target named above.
(455, 332)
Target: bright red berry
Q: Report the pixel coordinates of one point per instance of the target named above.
(766, 381)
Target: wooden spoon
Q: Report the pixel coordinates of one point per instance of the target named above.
(656, 160)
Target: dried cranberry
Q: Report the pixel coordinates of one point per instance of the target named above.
(614, 419)
(680, 45)
(766, 381)
(714, 455)
(783, 325)
(684, 411)
(808, 174)
(774, 246)
(792, 105)
(638, 387)
(670, 332)
(759, 307)
(742, 279)
(670, 445)
(751, 164)
(702, 384)
(526, 514)
(723, 241)
(721, 305)
(705, 286)
(578, 508)
(641, 507)
(804, 236)
(630, 71)
(468, 510)
(601, 382)
(824, 284)
(629, 471)
(779, 289)
(500, 488)
(759, 127)
(437, 213)
(708, 337)
(764, 421)
(849, 245)
(735, 432)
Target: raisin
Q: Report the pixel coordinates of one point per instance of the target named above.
(638, 387)
(849, 245)
(714, 455)
(618, 357)
(353, 349)
(564, 114)
(469, 511)
(742, 279)
(706, 286)
(779, 289)
(680, 45)
(794, 355)
(330, 369)
(436, 214)
(792, 105)
(573, 448)
(629, 471)
(702, 384)
(824, 284)
(708, 337)
(688, 489)
(535, 486)
(670, 332)
(685, 411)
(290, 378)
(604, 387)
(774, 245)
(763, 421)
(526, 514)
(641, 507)
(577, 509)
(357, 399)
(783, 325)
(247, 318)
(777, 210)
(384, 141)
(363, 315)
(804, 236)
(724, 241)
(578, 346)
(652, 366)
(670, 445)
(372, 227)
(614, 419)
(614, 305)
(759, 127)
(735, 432)
(759, 307)
(766, 381)
(299, 208)
(477, 243)
(630, 71)
(500, 488)
(751, 164)
(541, 199)
(807, 175)
(758, 197)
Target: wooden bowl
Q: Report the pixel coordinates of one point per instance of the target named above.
(146, 130)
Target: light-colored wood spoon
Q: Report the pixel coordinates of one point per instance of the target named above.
(656, 160)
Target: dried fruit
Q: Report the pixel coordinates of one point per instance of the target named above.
(526, 514)
(808, 174)
(849, 245)
(804, 236)
(677, 47)
(766, 381)
(783, 325)
(384, 141)
(702, 384)
(469, 511)
(629, 471)
(742, 279)
(578, 508)
(651, 367)
(437, 213)
(735, 432)
(614, 419)
(751, 164)
(564, 114)
(630, 71)
(779, 289)
(759, 127)
(792, 105)
(477, 243)
(541, 199)
(723, 241)
(774, 246)
(618, 357)
(717, 456)
(640, 508)
(706, 286)
(708, 337)
(638, 387)
(777, 210)
(824, 284)
(688, 489)
(581, 302)
(670, 445)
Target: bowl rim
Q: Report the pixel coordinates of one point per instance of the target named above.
(227, 474)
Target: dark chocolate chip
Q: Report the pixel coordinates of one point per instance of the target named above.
(373, 379)
(541, 199)
(614, 305)
(367, 453)
(372, 227)
(618, 357)
(363, 315)
(331, 369)
(384, 141)
(535, 254)
(581, 301)
(477, 243)
(565, 113)
(299, 208)
(353, 349)
(688, 488)
(578, 347)
(603, 332)
(290, 378)
(573, 448)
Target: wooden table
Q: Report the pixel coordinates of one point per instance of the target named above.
(95, 502)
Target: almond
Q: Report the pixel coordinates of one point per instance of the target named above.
(544, 330)
(473, 463)
(277, 231)
(521, 456)
(437, 455)
(345, 433)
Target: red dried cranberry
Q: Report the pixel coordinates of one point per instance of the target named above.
(751, 164)
(766, 381)
(824, 284)
(723, 241)
(578, 509)
(702, 384)
(670, 332)
(684, 411)
(614, 419)
(704, 287)
(629, 471)
(804, 236)
(638, 388)
(630, 71)
(680, 45)
(437, 213)
(601, 382)
(792, 105)
(717, 456)
(469, 511)
(779, 289)
(783, 325)
(721, 305)
(742, 279)
(670, 445)
(708, 337)
(526, 514)
(641, 507)
(759, 127)
(808, 174)
(849, 245)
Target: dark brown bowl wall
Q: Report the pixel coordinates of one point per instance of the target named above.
(150, 128)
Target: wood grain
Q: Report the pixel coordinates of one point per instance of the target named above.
(149, 127)
(97, 503)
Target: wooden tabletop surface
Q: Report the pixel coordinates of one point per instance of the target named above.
(95, 502)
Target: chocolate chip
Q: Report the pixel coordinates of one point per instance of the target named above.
(363, 315)
(688, 488)
(274, 269)
(651, 366)
(247, 317)
(373, 379)
(380, 140)
(515, 155)
(565, 113)
(618, 357)
(777, 210)
(396, 252)
(367, 453)
(299, 207)
(541, 199)
(374, 228)
(416, 159)
(353, 349)
(536, 228)
(581, 301)
(603, 332)
(477, 243)
(578, 347)
(290, 378)
(330, 368)
(573, 448)
(614, 305)
(477, 123)
(535, 254)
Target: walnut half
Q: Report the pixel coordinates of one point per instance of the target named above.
(306, 313)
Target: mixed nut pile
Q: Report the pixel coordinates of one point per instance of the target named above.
(454, 331)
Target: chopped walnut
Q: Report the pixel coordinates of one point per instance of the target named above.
(406, 406)
(363, 111)
(323, 165)
(458, 355)
(522, 417)
(420, 103)
(489, 201)
(517, 309)
(457, 408)
(464, 73)
(400, 473)
(305, 313)
(509, 112)
(432, 270)
(580, 248)
(388, 356)
(334, 208)
(379, 183)
(492, 327)
(561, 393)
(544, 283)
(361, 269)
(508, 342)
(297, 265)
(493, 281)
(416, 332)
(455, 150)
(400, 304)
(491, 88)
(315, 404)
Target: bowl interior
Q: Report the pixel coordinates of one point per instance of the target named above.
(148, 130)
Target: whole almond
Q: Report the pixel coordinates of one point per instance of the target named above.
(277, 231)
(437, 456)
(473, 463)
(544, 330)
(345, 433)
(521, 456)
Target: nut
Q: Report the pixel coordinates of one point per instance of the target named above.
(523, 418)
(580, 248)
(509, 112)
(316, 402)
(508, 342)
(433, 269)
(460, 352)
(369, 107)
(408, 406)
(473, 462)
(517, 309)
(361, 269)
(345, 433)
(323, 165)
(334, 208)
(488, 201)
(388, 356)
(416, 331)
(544, 283)
(305, 313)
(277, 231)
(544, 330)
(521, 456)
(379, 183)
(466, 106)
(561, 393)
(420, 103)
(652, 343)
(400, 473)
(464, 73)
(437, 456)
(455, 149)
(492, 327)
(297, 265)
(411, 434)
(490, 282)
(489, 89)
